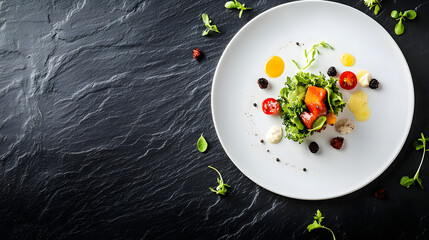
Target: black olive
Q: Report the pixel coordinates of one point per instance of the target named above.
(263, 83)
(314, 147)
(373, 84)
(332, 72)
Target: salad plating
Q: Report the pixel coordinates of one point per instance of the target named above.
(307, 101)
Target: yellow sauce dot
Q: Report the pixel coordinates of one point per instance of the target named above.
(274, 67)
(361, 73)
(358, 105)
(347, 60)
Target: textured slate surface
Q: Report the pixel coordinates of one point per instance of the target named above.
(102, 104)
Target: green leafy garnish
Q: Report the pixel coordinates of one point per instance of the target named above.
(319, 123)
(209, 27)
(399, 16)
(312, 52)
(318, 223)
(235, 4)
(202, 144)
(221, 188)
(376, 4)
(419, 144)
(292, 103)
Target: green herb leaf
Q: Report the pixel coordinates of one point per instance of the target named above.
(318, 224)
(202, 144)
(206, 19)
(373, 4)
(410, 14)
(394, 14)
(399, 27)
(207, 23)
(376, 9)
(419, 180)
(235, 4)
(406, 181)
(319, 123)
(312, 226)
(230, 5)
(221, 188)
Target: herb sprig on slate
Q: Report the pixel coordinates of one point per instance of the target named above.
(399, 16)
(235, 4)
(318, 223)
(376, 4)
(221, 188)
(419, 144)
(209, 26)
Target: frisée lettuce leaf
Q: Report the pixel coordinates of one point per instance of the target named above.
(292, 103)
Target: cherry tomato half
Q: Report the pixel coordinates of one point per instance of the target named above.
(348, 80)
(270, 106)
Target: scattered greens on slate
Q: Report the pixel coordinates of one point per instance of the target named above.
(235, 4)
(399, 16)
(209, 27)
(202, 144)
(221, 188)
(419, 144)
(313, 52)
(318, 223)
(376, 4)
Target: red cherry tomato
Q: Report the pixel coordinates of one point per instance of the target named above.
(348, 80)
(270, 106)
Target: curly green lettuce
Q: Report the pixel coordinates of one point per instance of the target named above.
(292, 103)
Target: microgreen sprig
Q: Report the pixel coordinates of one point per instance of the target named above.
(221, 188)
(419, 144)
(312, 52)
(318, 223)
(376, 4)
(207, 23)
(399, 16)
(235, 4)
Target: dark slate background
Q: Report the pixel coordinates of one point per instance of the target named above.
(102, 105)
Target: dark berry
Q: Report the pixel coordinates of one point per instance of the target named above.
(263, 83)
(304, 169)
(278, 159)
(373, 84)
(297, 43)
(255, 105)
(337, 142)
(314, 147)
(332, 72)
(196, 53)
(380, 193)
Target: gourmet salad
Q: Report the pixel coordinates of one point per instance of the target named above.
(307, 103)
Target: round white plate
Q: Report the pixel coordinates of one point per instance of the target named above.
(330, 173)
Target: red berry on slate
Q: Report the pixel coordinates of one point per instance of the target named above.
(196, 53)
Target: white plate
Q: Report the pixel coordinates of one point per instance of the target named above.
(367, 152)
